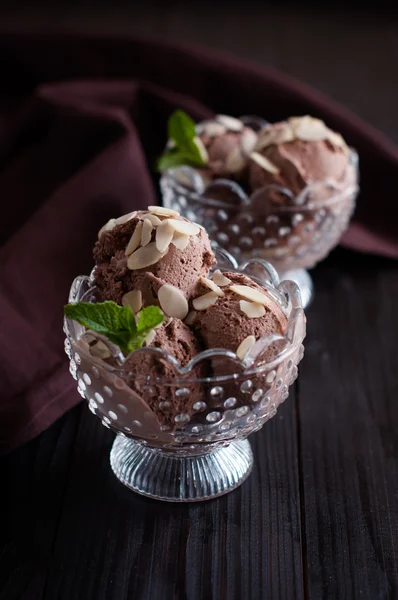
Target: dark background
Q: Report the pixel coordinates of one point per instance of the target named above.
(347, 50)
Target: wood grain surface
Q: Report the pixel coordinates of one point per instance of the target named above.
(318, 517)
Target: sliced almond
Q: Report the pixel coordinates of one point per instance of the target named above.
(205, 301)
(253, 295)
(152, 218)
(144, 257)
(150, 337)
(212, 129)
(230, 123)
(253, 310)
(220, 279)
(146, 232)
(133, 299)
(163, 212)
(100, 350)
(245, 346)
(309, 129)
(172, 301)
(191, 317)
(280, 133)
(212, 286)
(107, 227)
(202, 149)
(235, 161)
(264, 163)
(185, 227)
(164, 235)
(169, 321)
(248, 141)
(125, 218)
(180, 240)
(134, 240)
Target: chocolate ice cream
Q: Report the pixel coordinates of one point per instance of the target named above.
(237, 314)
(227, 144)
(176, 338)
(300, 152)
(153, 257)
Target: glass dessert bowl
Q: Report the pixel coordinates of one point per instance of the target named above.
(183, 437)
(289, 203)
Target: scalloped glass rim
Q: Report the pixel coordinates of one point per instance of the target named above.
(247, 201)
(286, 293)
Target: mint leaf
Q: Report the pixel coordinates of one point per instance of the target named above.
(150, 317)
(175, 158)
(115, 322)
(181, 128)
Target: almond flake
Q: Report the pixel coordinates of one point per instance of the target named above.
(133, 299)
(230, 123)
(235, 161)
(125, 218)
(172, 301)
(212, 286)
(152, 218)
(180, 240)
(191, 317)
(107, 227)
(144, 257)
(169, 321)
(150, 337)
(161, 211)
(264, 163)
(281, 133)
(245, 346)
(146, 232)
(202, 149)
(185, 227)
(164, 235)
(100, 350)
(253, 310)
(212, 129)
(203, 302)
(308, 129)
(248, 141)
(253, 295)
(220, 279)
(134, 240)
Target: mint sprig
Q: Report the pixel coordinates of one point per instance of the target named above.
(185, 151)
(115, 322)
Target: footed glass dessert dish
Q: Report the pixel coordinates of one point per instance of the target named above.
(197, 448)
(293, 232)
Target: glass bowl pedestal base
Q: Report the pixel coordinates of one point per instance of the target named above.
(180, 478)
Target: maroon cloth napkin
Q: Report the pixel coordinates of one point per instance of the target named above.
(81, 123)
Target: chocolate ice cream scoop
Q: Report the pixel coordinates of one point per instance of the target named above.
(152, 257)
(177, 339)
(300, 152)
(237, 314)
(227, 143)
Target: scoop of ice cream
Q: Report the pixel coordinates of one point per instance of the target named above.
(175, 337)
(297, 153)
(244, 310)
(146, 251)
(226, 145)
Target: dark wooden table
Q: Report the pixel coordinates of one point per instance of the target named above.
(318, 517)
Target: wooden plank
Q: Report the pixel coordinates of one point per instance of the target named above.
(348, 414)
(33, 479)
(114, 545)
